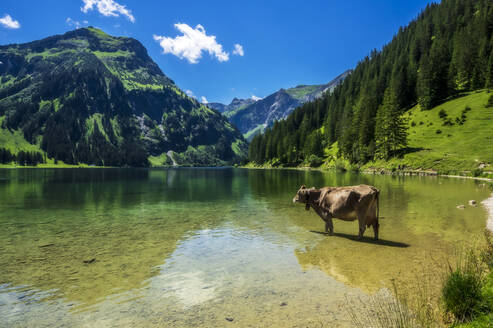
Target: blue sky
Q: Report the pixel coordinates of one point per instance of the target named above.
(283, 43)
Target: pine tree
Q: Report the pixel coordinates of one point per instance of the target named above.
(489, 71)
(424, 87)
(390, 129)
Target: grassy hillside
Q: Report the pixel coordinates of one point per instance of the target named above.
(442, 139)
(460, 142)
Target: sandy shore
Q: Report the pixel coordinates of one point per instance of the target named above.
(488, 204)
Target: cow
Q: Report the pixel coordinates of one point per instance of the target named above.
(345, 203)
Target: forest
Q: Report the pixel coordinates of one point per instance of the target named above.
(446, 51)
(32, 158)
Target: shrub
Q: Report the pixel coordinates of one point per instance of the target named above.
(421, 123)
(490, 102)
(340, 165)
(314, 161)
(354, 168)
(413, 123)
(442, 114)
(477, 172)
(448, 122)
(438, 131)
(462, 294)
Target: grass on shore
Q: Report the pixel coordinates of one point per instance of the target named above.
(49, 165)
(453, 137)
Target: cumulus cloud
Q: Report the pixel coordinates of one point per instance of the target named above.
(190, 93)
(204, 100)
(8, 22)
(254, 97)
(107, 8)
(77, 24)
(238, 50)
(191, 44)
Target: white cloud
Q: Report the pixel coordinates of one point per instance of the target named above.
(77, 24)
(8, 22)
(204, 100)
(190, 93)
(191, 44)
(254, 97)
(108, 8)
(238, 50)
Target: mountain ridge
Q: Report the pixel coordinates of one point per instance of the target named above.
(255, 116)
(88, 97)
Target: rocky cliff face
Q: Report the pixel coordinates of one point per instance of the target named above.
(88, 97)
(252, 118)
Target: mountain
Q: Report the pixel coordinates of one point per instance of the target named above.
(252, 117)
(443, 54)
(88, 97)
(236, 104)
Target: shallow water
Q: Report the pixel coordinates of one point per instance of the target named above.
(192, 247)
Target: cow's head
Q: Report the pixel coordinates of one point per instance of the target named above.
(302, 196)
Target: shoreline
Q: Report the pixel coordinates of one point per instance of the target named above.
(488, 205)
(373, 172)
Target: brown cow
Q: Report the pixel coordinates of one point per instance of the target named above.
(345, 203)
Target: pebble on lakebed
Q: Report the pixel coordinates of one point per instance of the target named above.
(89, 261)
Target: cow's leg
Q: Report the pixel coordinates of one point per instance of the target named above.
(329, 225)
(362, 225)
(376, 225)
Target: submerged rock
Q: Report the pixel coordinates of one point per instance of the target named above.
(473, 203)
(89, 261)
(230, 319)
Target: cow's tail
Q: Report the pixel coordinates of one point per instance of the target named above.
(378, 204)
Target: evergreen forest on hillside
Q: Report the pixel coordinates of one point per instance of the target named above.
(444, 53)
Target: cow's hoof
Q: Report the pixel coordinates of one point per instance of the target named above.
(331, 233)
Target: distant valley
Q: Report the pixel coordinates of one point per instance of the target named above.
(252, 117)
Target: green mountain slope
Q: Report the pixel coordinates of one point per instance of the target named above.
(449, 138)
(88, 97)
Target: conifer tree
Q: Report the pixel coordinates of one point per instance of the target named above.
(390, 129)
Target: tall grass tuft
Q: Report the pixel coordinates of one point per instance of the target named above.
(382, 310)
(462, 289)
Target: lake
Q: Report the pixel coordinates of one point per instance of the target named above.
(212, 247)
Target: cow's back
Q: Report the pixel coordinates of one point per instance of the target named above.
(346, 202)
(340, 202)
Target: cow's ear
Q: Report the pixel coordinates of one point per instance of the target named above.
(303, 187)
